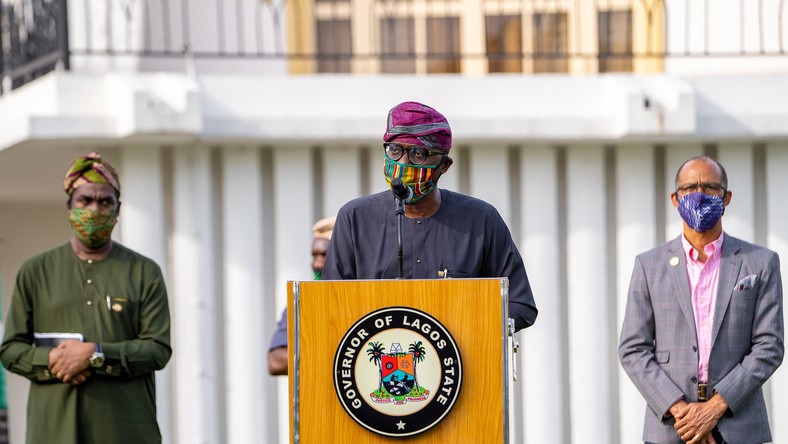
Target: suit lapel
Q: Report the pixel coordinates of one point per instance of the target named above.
(679, 279)
(730, 264)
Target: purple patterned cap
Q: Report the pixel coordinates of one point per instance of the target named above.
(418, 124)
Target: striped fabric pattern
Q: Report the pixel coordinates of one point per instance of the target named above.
(418, 124)
(417, 177)
(90, 168)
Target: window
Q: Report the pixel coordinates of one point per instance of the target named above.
(615, 41)
(334, 48)
(443, 44)
(550, 42)
(504, 43)
(398, 50)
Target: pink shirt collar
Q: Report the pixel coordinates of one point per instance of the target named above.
(710, 249)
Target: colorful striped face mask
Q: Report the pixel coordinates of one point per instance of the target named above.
(416, 177)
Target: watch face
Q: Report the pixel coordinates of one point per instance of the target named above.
(97, 360)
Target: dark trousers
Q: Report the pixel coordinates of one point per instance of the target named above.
(717, 436)
(715, 433)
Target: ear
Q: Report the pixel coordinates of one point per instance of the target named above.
(447, 163)
(727, 198)
(674, 199)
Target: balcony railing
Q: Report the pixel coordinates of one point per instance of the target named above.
(33, 40)
(35, 37)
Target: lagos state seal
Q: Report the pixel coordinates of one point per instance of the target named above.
(397, 371)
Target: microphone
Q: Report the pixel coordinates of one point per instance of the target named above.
(401, 192)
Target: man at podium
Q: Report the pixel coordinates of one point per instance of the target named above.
(444, 234)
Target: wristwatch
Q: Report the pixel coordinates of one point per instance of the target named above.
(97, 359)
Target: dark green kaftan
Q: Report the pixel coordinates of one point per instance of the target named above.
(120, 302)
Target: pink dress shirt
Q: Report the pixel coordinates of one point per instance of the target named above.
(704, 279)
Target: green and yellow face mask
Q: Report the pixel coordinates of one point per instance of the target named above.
(92, 228)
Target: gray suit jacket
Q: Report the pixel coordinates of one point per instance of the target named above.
(658, 347)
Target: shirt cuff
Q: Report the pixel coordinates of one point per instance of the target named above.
(41, 356)
(111, 351)
(667, 412)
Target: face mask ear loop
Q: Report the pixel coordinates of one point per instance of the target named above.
(437, 170)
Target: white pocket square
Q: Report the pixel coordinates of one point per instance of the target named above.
(747, 282)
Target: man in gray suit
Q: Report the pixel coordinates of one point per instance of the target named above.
(703, 327)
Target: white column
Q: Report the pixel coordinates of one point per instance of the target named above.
(543, 376)
(451, 181)
(246, 336)
(777, 240)
(592, 351)
(377, 182)
(293, 198)
(143, 229)
(636, 221)
(341, 178)
(739, 218)
(674, 158)
(489, 177)
(194, 298)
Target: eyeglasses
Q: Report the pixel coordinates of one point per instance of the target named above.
(714, 189)
(416, 154)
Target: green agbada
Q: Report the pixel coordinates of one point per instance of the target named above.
(120, 302)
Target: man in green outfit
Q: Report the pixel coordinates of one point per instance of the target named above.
(89, 324)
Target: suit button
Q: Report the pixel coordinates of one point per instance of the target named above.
(694, 348)
(694, 379)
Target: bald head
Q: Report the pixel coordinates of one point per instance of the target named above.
(689, 163)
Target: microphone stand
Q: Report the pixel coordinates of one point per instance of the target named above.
(400, 257)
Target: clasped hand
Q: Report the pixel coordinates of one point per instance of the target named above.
(69, 361)
(695, 421)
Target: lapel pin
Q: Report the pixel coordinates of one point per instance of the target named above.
(674, 261)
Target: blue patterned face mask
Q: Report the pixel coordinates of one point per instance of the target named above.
(701, 211)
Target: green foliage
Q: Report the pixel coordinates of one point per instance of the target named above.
(375, 351)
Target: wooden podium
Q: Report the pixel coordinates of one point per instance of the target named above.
(325, 318)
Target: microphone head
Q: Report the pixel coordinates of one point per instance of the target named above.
(401, 191)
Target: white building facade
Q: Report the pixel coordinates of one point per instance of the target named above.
(226, 161)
